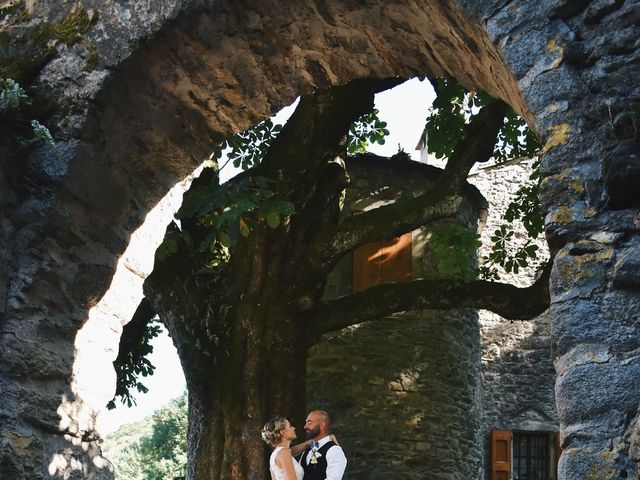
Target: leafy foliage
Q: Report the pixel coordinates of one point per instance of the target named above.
(165, 451)
(525, 208)
(248, 148)
(154, 448)
(367, 129)
(455, 248)
(42, 133)
(122, 448)
(515, 140)
(239, 206)
(451, 110)
(455, 105)
(133, 364)
(526, 205)
(12, 95)
(13, 99)
(510, 260)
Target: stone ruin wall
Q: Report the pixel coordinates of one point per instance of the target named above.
(140, 94)
(517, 362)
(431, 383)
(404, 390)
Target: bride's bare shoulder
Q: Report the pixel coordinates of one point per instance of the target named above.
(283, 454)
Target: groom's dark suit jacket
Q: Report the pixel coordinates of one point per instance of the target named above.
(316, 471)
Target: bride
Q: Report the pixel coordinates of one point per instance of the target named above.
(278, 433)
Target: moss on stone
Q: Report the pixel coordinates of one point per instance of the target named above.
(70, 29)
(92, 59)
(24, 55)
(563, 215)
(17, 10)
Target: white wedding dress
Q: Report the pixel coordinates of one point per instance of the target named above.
(278, 473)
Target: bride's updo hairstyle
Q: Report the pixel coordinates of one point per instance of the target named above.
(272, 431)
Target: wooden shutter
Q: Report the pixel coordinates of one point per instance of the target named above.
(500, 454)
(367, 269)
(382, 262)
(397, 259)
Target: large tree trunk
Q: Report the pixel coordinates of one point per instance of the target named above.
(238, 330)
(248, 374)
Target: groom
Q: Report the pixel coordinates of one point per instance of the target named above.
(323, 459)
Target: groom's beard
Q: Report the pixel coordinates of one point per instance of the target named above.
(313, 433)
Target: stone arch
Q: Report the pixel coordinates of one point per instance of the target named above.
(171, 82)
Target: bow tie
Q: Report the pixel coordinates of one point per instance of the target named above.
(315, 445)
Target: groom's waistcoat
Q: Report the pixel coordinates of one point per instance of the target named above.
(316, 471)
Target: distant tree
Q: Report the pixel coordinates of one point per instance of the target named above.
(239, 279)
(164, 452)
(153, 449)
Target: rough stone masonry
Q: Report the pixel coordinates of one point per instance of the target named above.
(137, 94)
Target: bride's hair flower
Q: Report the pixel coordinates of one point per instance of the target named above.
(272, 430)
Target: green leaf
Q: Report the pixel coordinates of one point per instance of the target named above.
(244, 228)
(224, 239)
(273, 219)
(452, 109)
(455, 248)
(248, 148)
(367, 129)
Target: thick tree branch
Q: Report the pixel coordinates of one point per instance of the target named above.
(377, 302)
(134, 331)
(315, 134)
(442, 201)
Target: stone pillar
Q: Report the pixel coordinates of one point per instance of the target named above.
(576, 68)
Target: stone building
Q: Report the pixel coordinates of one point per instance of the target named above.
(139, 93)
(418, 394)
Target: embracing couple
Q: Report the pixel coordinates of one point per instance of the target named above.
(321, 458)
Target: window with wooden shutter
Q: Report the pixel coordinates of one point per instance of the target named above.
(531, 457)
(382, 262)
(500, 454)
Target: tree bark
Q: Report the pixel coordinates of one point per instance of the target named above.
(255, 372)
(382, 300)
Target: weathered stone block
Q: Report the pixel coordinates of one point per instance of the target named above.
(587, 390)
(626, 274)
(606, 320)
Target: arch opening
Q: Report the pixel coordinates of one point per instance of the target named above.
(208, 73)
